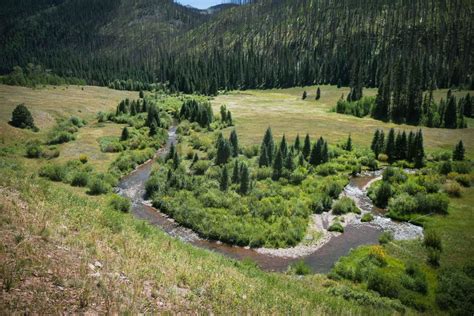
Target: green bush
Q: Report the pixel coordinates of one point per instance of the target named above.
(367, 217)
(60, 137)
(403, 204)
(383, 194)
(433, 257)
(53, 172)
(453, 189)
(432, 239)
(455, 292)
(34, 150)
(152, 186)
(432, 203)
(333, 189)
(336, 227)
(21, 117)
(200, 167)
(445, 168)
(80, 179)
(97, 186)
(300, 268)
(344, 205)
(464, 179)
(385, 237)
(120, 203)
(383, 284)
(414, 279)
(462, 167)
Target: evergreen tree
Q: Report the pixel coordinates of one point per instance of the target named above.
(374, 145)
(223, 152)
(22, 118)
(401, 146)
(319, 154)
(467, 106)
(289, 163)
(390, 149)
(195, 158)
(305, 95)
(381, 110)
(283, 147)
(306, 147)
(348, 144)
(141, 94)
(171, 153)
(277, 165)
(153, 130)
(229, 119)
(125, 134)
(223, 113)
(318, 94)
(301, 160)
(244, 180)
(325, 152)
(234, 141)
(411, 150)
(297, 145)
(450, 116)
(459, 151)
(419, 150)
(269, 144)
(176, 160)
(236, 173)
(224, 180)
(263, 160)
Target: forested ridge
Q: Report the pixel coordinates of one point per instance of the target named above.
(264, 44)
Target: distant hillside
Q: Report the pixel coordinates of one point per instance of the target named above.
(269, 43)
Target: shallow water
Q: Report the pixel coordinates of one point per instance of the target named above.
(320, 261)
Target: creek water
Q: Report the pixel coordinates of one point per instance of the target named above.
(321, 260)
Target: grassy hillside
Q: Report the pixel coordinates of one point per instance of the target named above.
(63, 251)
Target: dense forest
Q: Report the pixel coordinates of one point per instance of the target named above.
(263, 44)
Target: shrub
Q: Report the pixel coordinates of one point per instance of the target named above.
(432, 203)
(83, 158)
(452, 188)
(50, 153)
(298, 175)
(344, 205)
(383, 284)
(60, 137)
(34, 150)
(383, 194)
(333, 189)
(152, 186)
(53, 172)
(432, 240)
(300, 268)
(455, 292)
(464, 179)
(414, 279)
(462, 167)
(80, 179)
(382, 157)
(367, 217)
(97, 186)
(445, 167)
(385, 237)
(403, 204)
(377, 256)
(336, 227)
(120, 203)
(200, 167)
(433, 257)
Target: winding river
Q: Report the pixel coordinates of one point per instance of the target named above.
(321, 260)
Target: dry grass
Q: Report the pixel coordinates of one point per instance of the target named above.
(286, 113)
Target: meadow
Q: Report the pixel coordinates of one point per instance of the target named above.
(286, 113)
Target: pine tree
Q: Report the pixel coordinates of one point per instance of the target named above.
(374, 145)
(318, 94)
(297, 145)
(348, 144)
(153, 130)
(381, 110)
(22, 118)
(459, 151)
(306, 147)
(125, 135)
(244, 180)
(301, 160)
(419, 150)
(229, 119)
(390, 149)
(263, 160)
(277, 166)
(171, 153)
(223, 152)
(176, 160)
(467, 106)
(289, 163)
(411, 150)
(450, 116)
(236, 173)
(223, 113)
(283, 147)
(325, 153)
(234, 141)
(305, 95)
(141, 94)
(224, 180)
(269, 144)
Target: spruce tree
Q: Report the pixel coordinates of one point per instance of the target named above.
(223, 113)
(224, 180)
(348, 144)
(289, 163)
(419, 150)
(263, 159)
(450, 116)
(244, 180)
(459, 151)
(325, 153)
(301, 160)
(390, 149)
(318, 94)
(269, 144)
(176, 160)
(467, 106)
(381, 110)
(171, 152)
(374, 145)
(411, 147)
(229, 119)
(305, 95)
(297, 145)
(125, 135)
(306, 147)
(236, 173)
(153, 130)
(277, 166)
(234, 141)
(21, 117)
(223, 152)
(141, 94)
(283, 147)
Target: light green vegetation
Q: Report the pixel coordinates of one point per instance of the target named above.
(286, 112)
